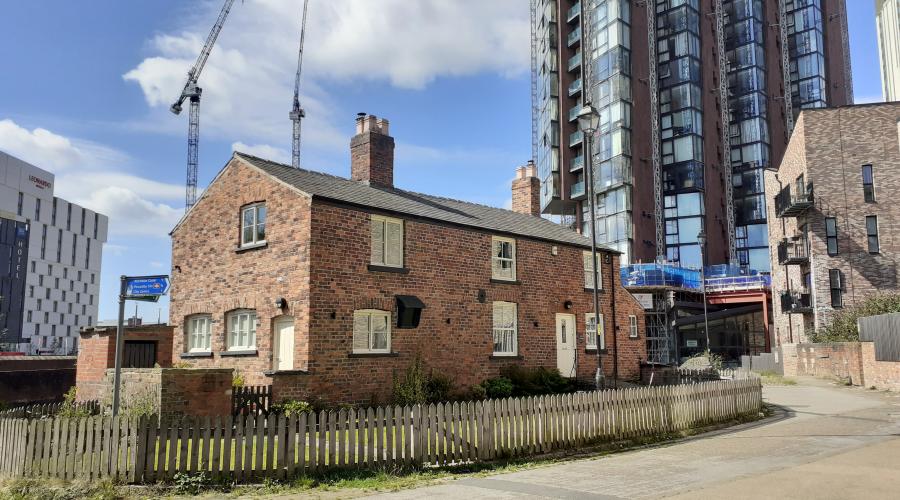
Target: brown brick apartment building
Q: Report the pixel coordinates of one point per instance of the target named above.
(327, 287)
(835, 198)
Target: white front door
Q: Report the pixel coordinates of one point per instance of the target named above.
(565, 344)
(284, 344)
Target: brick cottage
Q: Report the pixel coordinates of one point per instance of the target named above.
(327, 287)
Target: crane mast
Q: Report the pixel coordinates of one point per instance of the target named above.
(297, 112)
(192, 92)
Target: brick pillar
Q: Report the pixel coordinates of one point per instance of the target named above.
(526, 191)
(372, 152)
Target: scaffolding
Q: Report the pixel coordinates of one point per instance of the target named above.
(786, 67)
(660, 335)
(718, 278)
(534, 81)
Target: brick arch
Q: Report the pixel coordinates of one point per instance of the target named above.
(255, 193)
(379, 303)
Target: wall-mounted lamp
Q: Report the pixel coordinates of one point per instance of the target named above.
(567, 304)
(280, 303)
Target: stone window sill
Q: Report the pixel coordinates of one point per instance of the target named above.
(388, 269)
(236, 353)
(505, 282)
(247, 248)
(599, 290)
(502, 357)
(373, 354)
(593, 350)
(204, 354)
(270, 373)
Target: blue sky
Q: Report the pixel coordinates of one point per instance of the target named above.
(86, 88)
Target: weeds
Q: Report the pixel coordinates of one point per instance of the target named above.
(772, 378)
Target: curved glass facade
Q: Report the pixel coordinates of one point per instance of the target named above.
(806, 47)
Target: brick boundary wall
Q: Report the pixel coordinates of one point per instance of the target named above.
(852, 361)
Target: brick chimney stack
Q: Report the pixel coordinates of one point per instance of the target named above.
(526, 191)
(372, 152)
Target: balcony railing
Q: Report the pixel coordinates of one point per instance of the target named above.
(575, 61)
(576, 138)
(796, 302)
(577, 191)
(575, 87)
(573, 12)
(793, 251)
(789, 204)
(573, 37)
(576, 164)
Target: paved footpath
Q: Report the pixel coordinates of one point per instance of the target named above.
(828, 442)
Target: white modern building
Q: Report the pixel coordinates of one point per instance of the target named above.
(887, 21)
(65, 248)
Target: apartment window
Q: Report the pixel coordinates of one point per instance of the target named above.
(79, 275)
(46, 317)
(831, 239)
(92, 278)
(31, 290)
(253, 225)
(589, 270)
(387, 242)
(83, 216)
(37, 331)
(21, 201)
(33, 265)
(198, 333)
(55, 305)
(632, 326)
(868, 179)
(96, 224)
(503, 258)
(87, 256)
(83, 309)
(65, 273)
(590, 331)
(90, 300)
(43, 241)
(872, 233)
(56, 283)
(59, 247)
(836, 282)
(505, 329)
(29, 317)
(74, 247)
(242, 330)
(47, 293)
(41, 280)
(53, 215)
(70, 306)
(37, 209)
(69, 217)
(90, 320)
(84, 286)
(371, 331)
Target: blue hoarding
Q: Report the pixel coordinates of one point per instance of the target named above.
(13, 269)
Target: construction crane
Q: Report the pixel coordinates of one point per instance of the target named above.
(192, 92)
(297, 112)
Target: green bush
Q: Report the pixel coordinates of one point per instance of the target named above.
(418, 385)
(71, 409)
(843, 324)
(192, 483)
(292, 407)
(237, 380)
(537, 381)
(498, 387)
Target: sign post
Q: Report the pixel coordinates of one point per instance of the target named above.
(143, 288)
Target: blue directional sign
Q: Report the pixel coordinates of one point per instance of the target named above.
(145, 287)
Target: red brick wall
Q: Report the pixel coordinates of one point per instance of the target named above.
(210, 277)
(847, 360)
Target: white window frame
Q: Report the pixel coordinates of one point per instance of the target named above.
(589, 271)
(497, 261)
(632, 326)
(380, 248)
(591, 335)
(367, 315)
(231, 333)
(255, 224)
(198, 333)
(499, 307)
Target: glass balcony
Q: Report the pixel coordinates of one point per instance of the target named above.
(575, 87)
(573, 112)
(573, 12)
(793, 205)
(576, 192)
(576, 138)
(575, 61)
(576, 164)
(574, 37)
(683, 177)
(793, 251)
(796, 302)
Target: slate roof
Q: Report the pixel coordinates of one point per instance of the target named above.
(341, 190)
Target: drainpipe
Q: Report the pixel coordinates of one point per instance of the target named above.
(612, 299)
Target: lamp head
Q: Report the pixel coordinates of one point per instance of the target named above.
(588, 119)
(701, 237)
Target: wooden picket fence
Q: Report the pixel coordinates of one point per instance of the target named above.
(250, 448)
(49, 409)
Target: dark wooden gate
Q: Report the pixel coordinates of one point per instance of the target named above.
(139, 354)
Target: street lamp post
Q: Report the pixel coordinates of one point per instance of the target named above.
(588, 122)
(701, 239)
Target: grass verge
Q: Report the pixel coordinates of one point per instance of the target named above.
(772, 378)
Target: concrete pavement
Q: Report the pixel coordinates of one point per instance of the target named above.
(826, 442)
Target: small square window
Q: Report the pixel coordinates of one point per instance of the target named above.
(198, 333)
(387, 241)
(503, 259)
(253, 225)
(241, 330)
(371, 331)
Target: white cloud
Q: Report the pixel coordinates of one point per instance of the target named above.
(264, 151)
(248, 79)
(93, 176)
